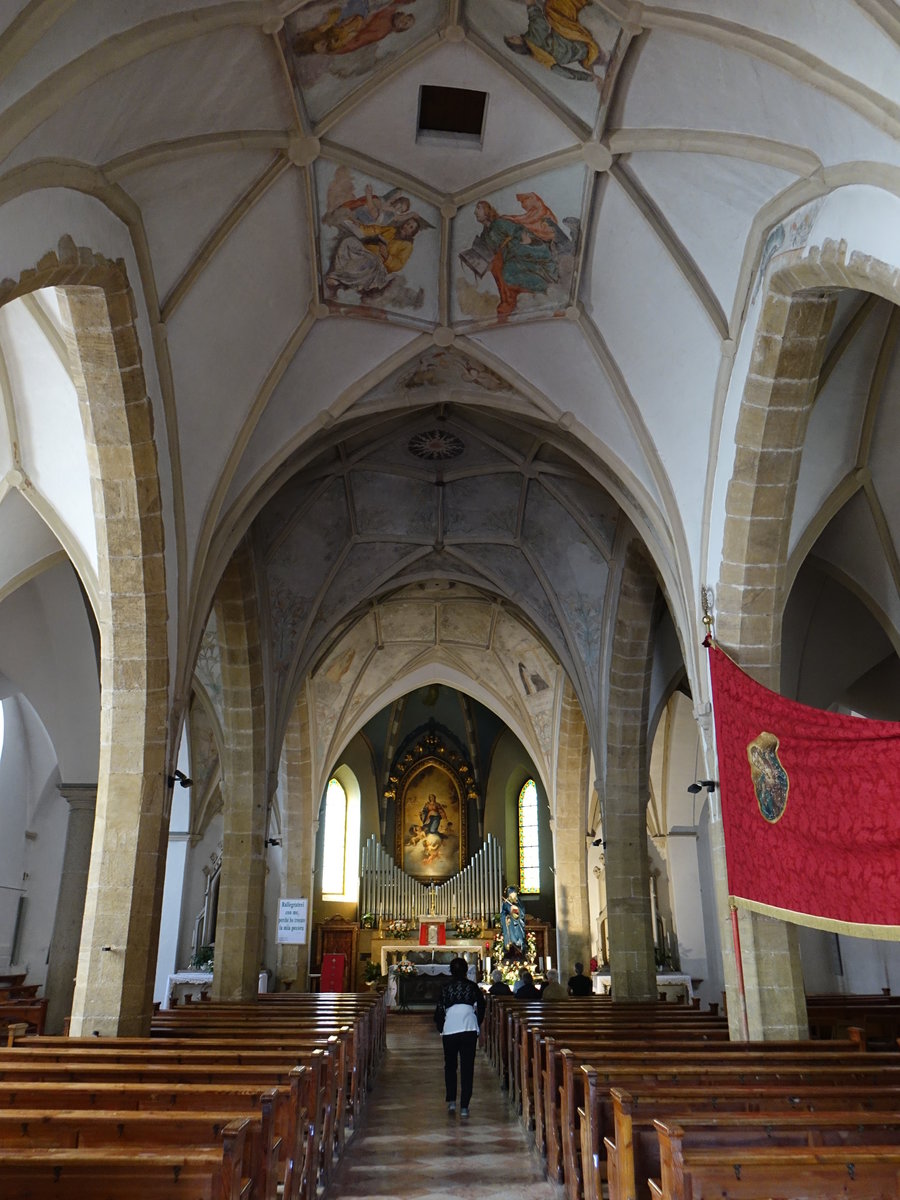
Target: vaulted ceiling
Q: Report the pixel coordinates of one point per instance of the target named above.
(317, 282)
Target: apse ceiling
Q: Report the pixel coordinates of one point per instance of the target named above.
(304, 256)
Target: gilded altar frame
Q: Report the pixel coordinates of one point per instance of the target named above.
(431, 841)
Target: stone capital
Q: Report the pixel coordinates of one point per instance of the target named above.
(79, 795)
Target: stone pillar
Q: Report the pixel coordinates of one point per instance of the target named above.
(245, 799)
(60, 985)
(573, 918)
(791, 340)
(297, 840)
(632, 959)
(117, 956)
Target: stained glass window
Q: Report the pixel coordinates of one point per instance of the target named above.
(334, 840)
(529, 850)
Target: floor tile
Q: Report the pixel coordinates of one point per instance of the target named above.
(409, 1145)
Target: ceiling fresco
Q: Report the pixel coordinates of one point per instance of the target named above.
(513, 256)
(378, 246)
(570, 47)
(334, 48)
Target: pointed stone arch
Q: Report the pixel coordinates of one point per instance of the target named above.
(788, 352)
(117, 957)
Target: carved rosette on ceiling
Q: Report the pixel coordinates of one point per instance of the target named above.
(431, 783)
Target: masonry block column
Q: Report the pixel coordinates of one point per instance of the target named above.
(60, 986)
(790, 345)
(238, 947)
(573, 920)
(632, 958)
(123, 899)
(298, 842)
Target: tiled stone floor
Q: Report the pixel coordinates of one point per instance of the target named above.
(410, 1148)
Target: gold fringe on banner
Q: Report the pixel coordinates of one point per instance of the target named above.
(883, 933)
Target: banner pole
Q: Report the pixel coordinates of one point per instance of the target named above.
(736, 935)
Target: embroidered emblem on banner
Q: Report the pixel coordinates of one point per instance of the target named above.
(770, 779)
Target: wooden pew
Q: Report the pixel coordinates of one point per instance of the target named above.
(31, 1128)
(33, 1013)
(109, 1173)
(858, 1172)
(313, 1140)
(632, 1156)
(283, 1119)
(701, 1069)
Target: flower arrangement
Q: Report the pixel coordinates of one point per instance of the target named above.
(372, 971)
(509, 960)
(203, 959)
(367, 921)
(398, 928)
(467, 928)
(405, 967)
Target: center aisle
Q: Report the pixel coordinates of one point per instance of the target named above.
(410, 1146)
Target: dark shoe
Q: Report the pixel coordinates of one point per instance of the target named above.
(463, 1112)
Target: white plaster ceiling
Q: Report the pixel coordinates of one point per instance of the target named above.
(217, 147)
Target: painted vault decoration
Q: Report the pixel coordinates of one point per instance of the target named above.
(378, 246)
(570, 47)
(515, 250)
(333, 47)
(450, 371)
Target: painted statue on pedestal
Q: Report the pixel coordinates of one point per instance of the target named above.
(512, 921)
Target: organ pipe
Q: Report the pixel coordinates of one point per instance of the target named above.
(389, 892)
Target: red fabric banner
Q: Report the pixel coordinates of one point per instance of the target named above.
(810, 806)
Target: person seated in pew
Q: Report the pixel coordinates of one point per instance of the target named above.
(525, 988)
(499, 987)
(579, 983)
(553, 989)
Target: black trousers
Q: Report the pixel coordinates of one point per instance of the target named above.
(462, 1045)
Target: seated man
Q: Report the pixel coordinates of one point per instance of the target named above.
(580, 984)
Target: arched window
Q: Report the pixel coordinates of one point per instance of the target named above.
(340, 839)
(529, 849)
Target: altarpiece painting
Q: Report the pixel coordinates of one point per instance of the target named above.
(431, 823)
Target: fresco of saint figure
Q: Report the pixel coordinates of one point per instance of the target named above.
(556, 39)
(373, 241)
(353, 26)
(521, 250)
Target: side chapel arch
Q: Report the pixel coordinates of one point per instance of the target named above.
(114, 987)
(789, 347)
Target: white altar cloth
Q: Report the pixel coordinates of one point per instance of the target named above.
(603, 983)
(198, 979)
(454, 947)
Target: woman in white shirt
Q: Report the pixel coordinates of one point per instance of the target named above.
(458, 1017)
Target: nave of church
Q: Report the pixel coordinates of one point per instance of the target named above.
(394, 394)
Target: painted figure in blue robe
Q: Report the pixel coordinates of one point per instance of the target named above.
(523, 248)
